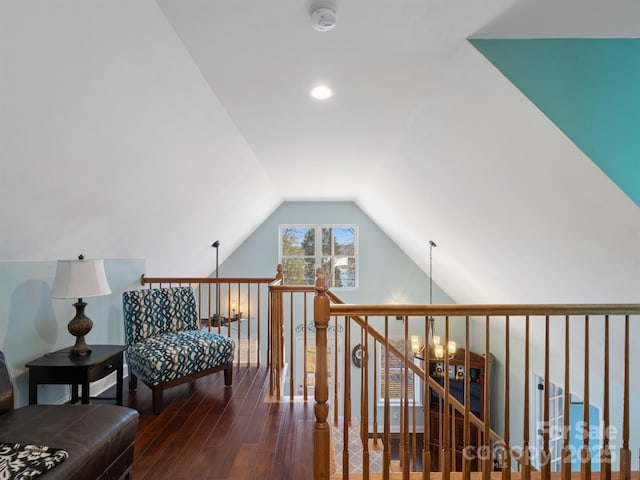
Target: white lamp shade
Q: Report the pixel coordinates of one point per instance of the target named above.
(80, 279)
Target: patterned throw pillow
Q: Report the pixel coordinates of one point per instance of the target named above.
(21, 462)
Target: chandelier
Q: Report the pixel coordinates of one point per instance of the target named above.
(433, 345)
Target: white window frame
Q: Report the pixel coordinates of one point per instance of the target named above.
(556, 422)
(318, 249)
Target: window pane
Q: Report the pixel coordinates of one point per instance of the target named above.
(299, 271)
(298, 241)
(300, 254)
(339, 272)
(338, 241)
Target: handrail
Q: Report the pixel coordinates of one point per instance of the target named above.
(144, 280)
(484, 310)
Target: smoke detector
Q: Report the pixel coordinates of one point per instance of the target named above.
(323, 19)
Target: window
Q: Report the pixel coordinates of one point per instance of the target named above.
(556, 419)
(304, 248)
(310, 359)
(396, 374)
(556, 428)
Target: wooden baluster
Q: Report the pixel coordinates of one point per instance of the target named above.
(453, 439)
(375, 390)
(466, 439)
(209, 313)
(292, 355)
(239, 323)
(365, 401)
(272, 344)
(218, 306)
(605, 454)
(249, 328)
(200, 300)
(270, 340)
(445, 456)
(386, 455)
(440, 431)
(277, 337)
(625, 453)
(526, 454)
(506, 449)
(346, 400)
(426, 408)
(405, 424)
(336, 404)
(409, 358)
(270, 296)
(229, 310)
(566, 452)
(585, 452)
(238, 307)
(279, 341)
(546, 456)
(321, 442)
(304, 342)
(401, 419)
(487, 458)
(259, 329)
(414, 441)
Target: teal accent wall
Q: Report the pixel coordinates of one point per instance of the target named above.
(588, 87)
(576, 416)
(32, 323)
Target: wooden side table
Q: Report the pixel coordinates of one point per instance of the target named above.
(62, 368)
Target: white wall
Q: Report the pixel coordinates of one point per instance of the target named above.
(113, 143)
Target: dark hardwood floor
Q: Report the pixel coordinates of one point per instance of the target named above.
(207, 431)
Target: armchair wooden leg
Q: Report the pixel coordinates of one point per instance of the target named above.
(133, 381)
(156, 393)
(228, 375)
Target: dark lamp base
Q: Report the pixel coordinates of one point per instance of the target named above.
(79, 326)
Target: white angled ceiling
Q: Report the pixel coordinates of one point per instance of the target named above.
(177, 120)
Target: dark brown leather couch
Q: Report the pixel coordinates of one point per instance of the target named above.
(98, 438)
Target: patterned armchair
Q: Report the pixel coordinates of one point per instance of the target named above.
(165, 346)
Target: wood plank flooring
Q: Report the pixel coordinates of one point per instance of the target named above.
(207, 431)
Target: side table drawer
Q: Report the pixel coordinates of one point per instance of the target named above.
(103, 369)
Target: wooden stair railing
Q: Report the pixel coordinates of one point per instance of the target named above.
(485, 317)
(431, 384)
(282, 306)
(226, 303)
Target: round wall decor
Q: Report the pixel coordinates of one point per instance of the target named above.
(358, 355)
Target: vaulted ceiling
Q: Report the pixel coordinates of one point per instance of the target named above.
(141, 128)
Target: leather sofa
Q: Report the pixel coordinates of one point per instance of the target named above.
(98, 438)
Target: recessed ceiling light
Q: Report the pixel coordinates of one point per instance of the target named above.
(321, 92)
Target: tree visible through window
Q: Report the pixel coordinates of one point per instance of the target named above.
(304, 248)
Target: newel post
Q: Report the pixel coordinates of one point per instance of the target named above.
(321, 428)
(275, 344)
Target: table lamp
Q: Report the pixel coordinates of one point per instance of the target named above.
(80, 279)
